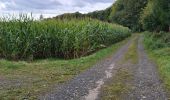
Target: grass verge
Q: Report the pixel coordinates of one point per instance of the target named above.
(158, 48)
(23, 80)
(162, 59)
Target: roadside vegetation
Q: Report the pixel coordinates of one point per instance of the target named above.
(23, 80)
(158, 46)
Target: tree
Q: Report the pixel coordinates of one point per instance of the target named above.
(156, 15)
(127, 13)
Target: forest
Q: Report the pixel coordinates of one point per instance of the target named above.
(138, 15)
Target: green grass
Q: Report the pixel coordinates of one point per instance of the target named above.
(118, 86)
(162, 59)
(132, 53)
(158, 47)
(39, 76)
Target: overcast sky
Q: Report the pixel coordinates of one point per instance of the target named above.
(50, 8)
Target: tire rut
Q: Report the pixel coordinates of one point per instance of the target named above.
(147, 84)
(86, 86)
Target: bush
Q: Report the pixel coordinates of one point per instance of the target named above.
(157, 40)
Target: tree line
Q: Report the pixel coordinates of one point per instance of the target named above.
(138, 15)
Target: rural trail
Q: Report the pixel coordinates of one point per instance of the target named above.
(87, 85)
(147, 84)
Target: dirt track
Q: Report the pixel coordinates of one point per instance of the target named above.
(147, 84)
(87, 85)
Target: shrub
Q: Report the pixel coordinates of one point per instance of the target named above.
(157, 40)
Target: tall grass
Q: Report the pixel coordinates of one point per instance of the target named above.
(157, 40)
(158, 46)
(25, 38)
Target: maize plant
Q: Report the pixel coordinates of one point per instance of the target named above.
(25, 38)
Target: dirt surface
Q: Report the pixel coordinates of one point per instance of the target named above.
(8, 84)
(87, 85)
(146, 84)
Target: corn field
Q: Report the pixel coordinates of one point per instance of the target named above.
(28, 39)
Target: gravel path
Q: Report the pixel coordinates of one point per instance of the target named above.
(86, 86)
(147, 84)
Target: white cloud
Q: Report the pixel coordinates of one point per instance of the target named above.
(2, 6)
(51, 8)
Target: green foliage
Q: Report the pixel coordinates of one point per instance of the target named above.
(138, 15)
(127, 13)
(124, 12)
(157, 40)
(70, 16)
(56, 38)
(156, 15)
(158, 45)
(101, 15)
(40, 75)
